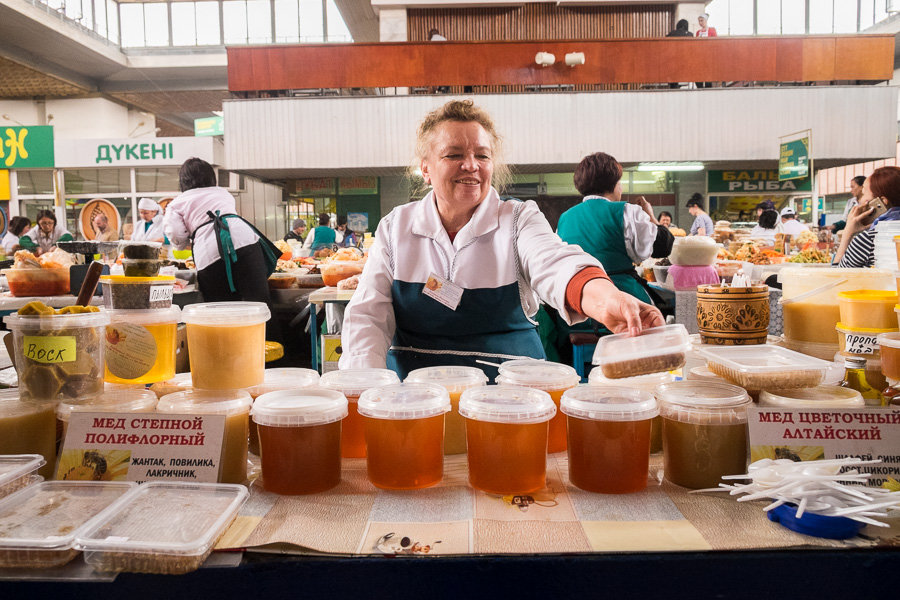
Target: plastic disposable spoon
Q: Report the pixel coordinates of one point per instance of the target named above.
(814, 291)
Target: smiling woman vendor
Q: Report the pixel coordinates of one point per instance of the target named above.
(43, 238)
(457, 277)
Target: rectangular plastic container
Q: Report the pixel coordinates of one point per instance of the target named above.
(141, 293)
(694, 251)
(38, 282)
(656, 349)
(18, 471)
(162, 527)
(39, 523)
(336, 271)
(765, 367)
(868, 309)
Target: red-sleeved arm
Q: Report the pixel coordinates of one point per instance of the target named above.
(576, 286)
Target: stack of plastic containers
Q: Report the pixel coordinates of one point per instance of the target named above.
(885, 251)
(277, 380)
(18, 471)
(644, 383)
(352, 383)
(865, 314)
(456, 380)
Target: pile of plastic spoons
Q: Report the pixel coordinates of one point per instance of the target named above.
(831, 488)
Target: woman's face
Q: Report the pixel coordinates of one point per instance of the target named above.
(866, 192)
(856, 189)
(460, 164)
(25, 230)
(665, 220)
(147, 215)
(702, 21)
(46, 225)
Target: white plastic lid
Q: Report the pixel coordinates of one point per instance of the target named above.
(762, 359)
(517, 405)
(189, 402)
(139, 243)
(43, 322)
(608, 403)
(153, 316)
(455, 379)
(823, 396)
(539, 374)
(641, 382)
(299, 408)
(48, 515)
(655, 341)
(226, 314)
(353, 382)
(402, 401)
(708, 395)
(143, 521)
(13, 466)
(112, 401)
(891, 340)
(287, 378)
(12, 406)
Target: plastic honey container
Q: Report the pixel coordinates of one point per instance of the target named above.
(28, 428)
(549, 377)
(351, 383)
(300, 439)
(119, 401)
(868, 309)
(456, 380)
(645, 383)
(609, 437)
(889, 343)
(235, 405)
(404, 429)
(277, 380)
(178, 383)
(227, 344)
(137, 293)
(18, 471)
(823, 396)
(140, 345)
(858, 341)
(506, 430)
(59, 357)
(704, 432)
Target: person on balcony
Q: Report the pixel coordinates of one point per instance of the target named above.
(705, 30)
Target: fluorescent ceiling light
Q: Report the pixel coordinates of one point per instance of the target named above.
(670, 167)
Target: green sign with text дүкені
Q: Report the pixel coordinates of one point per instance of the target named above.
(794, 160)
(26, 147)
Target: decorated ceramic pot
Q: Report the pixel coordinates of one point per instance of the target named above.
(733, 316)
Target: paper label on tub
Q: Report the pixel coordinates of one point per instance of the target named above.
(160, 293)
(49, 349)
(131, 350)
(861, 343)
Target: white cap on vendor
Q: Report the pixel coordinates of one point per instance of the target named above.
(787, 210)
(148, 204)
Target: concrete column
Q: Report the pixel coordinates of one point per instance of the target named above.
(392, 25)
(690, 11)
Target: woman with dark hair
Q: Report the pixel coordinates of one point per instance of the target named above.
(43, 238)
(857, 247)
(18, 226)
(665, 219)
(189, 220)
(322, 236)
(617, 233)
(766, 227)
(702, 224)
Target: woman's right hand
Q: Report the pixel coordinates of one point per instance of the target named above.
(858, 219)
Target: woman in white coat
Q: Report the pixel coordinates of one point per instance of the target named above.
(149, 227)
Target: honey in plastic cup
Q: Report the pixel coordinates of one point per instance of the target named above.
(404, 429)
(300, 439)
(140, 345)
(704, 432)
(456, 380)
(351, 383)
(646, 383)
(28, 428)
(235, 405)
(227, 344)
(277, 380)
(552, 378)
(609, 437)
(506, 432)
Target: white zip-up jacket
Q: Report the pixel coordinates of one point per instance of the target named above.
(411, 244)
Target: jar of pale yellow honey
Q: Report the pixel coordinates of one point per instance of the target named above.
(140, 345)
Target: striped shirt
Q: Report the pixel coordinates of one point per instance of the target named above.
(860, 251)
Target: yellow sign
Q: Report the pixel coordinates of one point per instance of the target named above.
(50, 349)
(4, 185)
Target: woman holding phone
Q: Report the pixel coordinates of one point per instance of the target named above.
(880, 202)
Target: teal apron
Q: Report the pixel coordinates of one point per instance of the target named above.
(323, 237)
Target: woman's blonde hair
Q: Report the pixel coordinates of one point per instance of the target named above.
(461, 111)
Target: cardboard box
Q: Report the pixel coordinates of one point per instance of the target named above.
(331, 352)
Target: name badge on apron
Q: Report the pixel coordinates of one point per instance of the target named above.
(444, 291)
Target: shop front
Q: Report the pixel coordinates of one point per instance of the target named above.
(734, 194)
(357, 198)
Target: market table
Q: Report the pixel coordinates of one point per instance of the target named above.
(326, 295)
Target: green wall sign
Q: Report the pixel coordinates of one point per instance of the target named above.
(794, 160)
(26, 147)
(759, 181)
(358, 186)
(209, 126)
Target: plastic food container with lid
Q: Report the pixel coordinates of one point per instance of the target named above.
(282, 281)
(549, 377)
(765, 367)
(18, 471)
(37, 282)
(506, 430)
(300, 439)
(59, 357)
(179, 383)
(704, 432)
(609, 437)
(351, 383)
(868, 309)
(335, 271)
(139, 250)
(140, 345)
(889, 343)
(404, 429)
(694, 251)
(823, 396)
(137, 293)
(28, 428)
(161, 527)
(141, 267)
(276, 380)
(40, 522)
(857, 341)
(456, 380)
(646, 383)
(655, 350)
(118, 401)
(235, 405)
(228, 344)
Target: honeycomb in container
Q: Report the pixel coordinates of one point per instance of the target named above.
(18, 483)
(643, 366)
(768, 381)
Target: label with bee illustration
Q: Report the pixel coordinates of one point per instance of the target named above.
(131, 350)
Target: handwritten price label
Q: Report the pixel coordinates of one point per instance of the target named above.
(861, 343)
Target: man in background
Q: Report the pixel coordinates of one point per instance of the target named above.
(298, 227)
(102, 231)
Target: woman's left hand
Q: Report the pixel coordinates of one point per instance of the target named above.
(618, 311)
